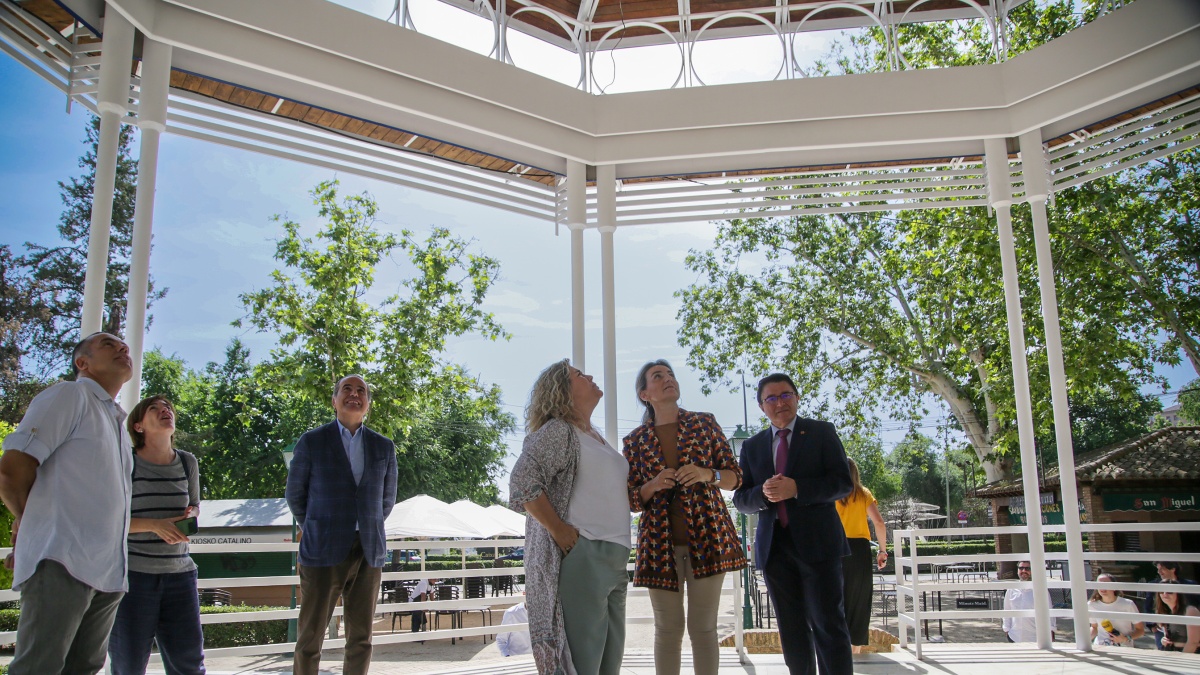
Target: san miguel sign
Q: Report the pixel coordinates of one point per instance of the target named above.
(1151, 501)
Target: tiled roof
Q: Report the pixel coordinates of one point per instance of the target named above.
(1169, 454)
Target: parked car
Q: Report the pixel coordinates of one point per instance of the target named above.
(405, 556)
(515, 554)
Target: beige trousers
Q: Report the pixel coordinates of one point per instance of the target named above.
(703, 598)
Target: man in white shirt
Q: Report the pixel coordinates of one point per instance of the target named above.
(420, 593)
(1022, 628)
(66, 477)
(514, 643)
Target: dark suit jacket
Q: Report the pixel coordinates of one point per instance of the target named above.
(817, 462)
(327, 504)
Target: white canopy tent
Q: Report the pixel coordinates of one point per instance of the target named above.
(513, 520)
(425, 516)
(485, 521)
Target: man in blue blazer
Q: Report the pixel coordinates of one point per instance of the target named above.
(792, 474)
(341, 486)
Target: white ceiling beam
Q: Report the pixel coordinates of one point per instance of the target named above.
(324, 55)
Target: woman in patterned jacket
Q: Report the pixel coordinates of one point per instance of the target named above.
(577, 538)
(686, 539)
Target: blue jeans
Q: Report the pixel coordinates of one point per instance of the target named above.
(163, 608)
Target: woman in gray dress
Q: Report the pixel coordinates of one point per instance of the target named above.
(577, 538)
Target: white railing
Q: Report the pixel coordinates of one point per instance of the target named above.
(912, 589)
(383, 608)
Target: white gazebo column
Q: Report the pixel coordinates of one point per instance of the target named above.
(606, 217)
(1037, 191)
(115, 60)
(152, 121)
(576, 222)
(1000, 196)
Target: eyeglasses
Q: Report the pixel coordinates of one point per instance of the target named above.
(1024, 567)
(786, 397)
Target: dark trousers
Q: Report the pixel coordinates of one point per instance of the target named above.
(162, 608)
(858, 584)
(808, 604)
(64, 624)
(357, 583)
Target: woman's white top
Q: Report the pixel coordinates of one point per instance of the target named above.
(1122, 626)
(600, 503)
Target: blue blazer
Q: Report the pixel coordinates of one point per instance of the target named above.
(327, 504)
(817, 462)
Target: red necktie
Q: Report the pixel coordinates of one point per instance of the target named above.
(781, 453)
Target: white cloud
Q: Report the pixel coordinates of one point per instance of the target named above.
(509, 299)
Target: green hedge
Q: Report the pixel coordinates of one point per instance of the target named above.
(243, 633)
(8, 619)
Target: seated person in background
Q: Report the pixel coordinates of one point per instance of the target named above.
(1168, 571)
(1177, 637)
(1109, 631)
(421, 592)
(514, 643)
(1022, 628)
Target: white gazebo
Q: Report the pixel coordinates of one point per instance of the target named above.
(320, 83)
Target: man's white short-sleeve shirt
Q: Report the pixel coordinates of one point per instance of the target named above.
(1021, 628)
(78, 509)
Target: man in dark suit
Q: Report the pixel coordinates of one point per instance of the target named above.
(792, 474)
(341, 486)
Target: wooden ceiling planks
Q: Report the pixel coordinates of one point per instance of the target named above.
(363, 129)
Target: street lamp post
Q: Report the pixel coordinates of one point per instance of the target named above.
(735, 441)
(287, 460)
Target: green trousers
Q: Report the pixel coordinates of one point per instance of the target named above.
(592, 586)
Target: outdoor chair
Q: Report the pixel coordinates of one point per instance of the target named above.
(447, 592)
(476, 587)
(401, 593)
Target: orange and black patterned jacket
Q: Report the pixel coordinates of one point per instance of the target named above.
(714, 546)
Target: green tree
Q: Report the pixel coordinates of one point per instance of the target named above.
(1101, 419)
(1140, 230)
(1189, 403)
(317, 306)
(873, 469)
(447, 426)
(6, 518)
(21, 318)
(60, 268)
(456, 447)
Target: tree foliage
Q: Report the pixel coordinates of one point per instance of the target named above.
(876, 475)
(1189, 403)
(59, 268)
(328, 328)
(871, 313)
(22, 317)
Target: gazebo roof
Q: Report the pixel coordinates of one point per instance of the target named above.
(718, 18)
(333, 87)
(1169, 455)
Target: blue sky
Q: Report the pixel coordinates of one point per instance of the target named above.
(214, 239)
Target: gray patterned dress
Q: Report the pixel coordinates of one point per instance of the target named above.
(547, 465)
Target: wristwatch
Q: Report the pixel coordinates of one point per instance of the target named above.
(716, 477)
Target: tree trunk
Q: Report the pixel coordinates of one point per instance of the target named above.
(994, 468)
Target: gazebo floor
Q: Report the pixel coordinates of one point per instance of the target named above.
(939, 659)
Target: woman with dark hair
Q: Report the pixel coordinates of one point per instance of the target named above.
(1177, 637)
(162, 604)
(1107, 630)
(679, 461)
(571, 483)
(857, 580)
